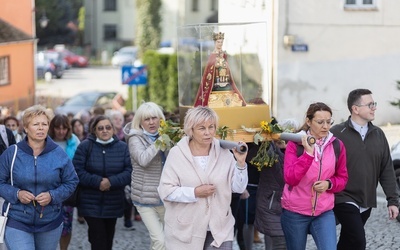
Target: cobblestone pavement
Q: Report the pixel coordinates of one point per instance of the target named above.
(382, 233)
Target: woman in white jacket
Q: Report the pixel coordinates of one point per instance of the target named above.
(197, 184)
(147, 162)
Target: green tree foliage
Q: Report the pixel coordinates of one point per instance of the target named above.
(397, 102)
(148, 27)
(172, 101)
(162, 75)
(59, 13)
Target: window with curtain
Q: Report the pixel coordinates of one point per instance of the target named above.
(214, 5)
(110, 32)
(110, 5)
(195, 5)
(4, 70)
(360, 4)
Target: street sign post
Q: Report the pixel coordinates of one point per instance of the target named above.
(134, 76)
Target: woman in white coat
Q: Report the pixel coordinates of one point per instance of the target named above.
(197, 184)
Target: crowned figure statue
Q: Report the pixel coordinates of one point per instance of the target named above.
(217, 87)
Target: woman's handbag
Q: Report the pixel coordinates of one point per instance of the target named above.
(3, 218)
(72, 201)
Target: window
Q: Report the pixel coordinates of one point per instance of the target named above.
(360, 4)
(110, 32)
(4, 70)
(214, 5)
(195, 5)
(110, 5)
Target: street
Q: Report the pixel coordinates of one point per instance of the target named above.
(381, 233)
(76, 80)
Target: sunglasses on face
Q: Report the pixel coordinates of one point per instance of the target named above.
(101, 128)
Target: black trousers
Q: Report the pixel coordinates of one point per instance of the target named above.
(352, 234)
(101, 232)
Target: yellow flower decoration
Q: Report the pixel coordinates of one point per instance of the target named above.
(265, 157)
(170, 133)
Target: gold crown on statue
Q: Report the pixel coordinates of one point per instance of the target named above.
(218, 36)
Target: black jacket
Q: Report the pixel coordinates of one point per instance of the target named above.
(11, 141)
(368, 162)
(112, 161)
(269, 193)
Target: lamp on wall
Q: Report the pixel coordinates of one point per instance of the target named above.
(288, 40)
(43, 21)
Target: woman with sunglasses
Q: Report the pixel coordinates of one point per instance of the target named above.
(103, 165)
(312, 177)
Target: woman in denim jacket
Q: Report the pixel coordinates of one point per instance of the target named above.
(43, 177)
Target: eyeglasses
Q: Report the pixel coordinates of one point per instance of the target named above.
(101, 128)
(370, 105)
(328, 122)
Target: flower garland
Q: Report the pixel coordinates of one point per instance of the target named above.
(265, 157)
(170, 133)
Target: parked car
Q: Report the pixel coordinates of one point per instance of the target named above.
(71, 58)
(86, 101)
(49, 63)
(395, 154)
(124, 56)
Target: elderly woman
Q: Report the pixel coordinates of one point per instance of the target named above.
(104, 169)
(43, 177)
(147, 162)
(196, 186)
(61, 133)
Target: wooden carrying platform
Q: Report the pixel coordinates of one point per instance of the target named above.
(234, 118)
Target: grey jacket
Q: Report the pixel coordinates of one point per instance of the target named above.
(147, 162)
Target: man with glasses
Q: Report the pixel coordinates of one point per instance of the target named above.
(368, 161)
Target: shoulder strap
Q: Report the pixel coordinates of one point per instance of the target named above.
(300, 150)
(89, 150)
(3, 134)
(11, 176)
(336, 149)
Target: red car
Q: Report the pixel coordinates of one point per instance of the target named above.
(73, 59)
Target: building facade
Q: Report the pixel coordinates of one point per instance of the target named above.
(110, 24)
(321, 50)
(17, 49)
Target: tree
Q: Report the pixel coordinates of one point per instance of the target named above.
(396, 103)
(148, 35)
(62, 15)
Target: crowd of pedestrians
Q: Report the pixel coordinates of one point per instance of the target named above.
(196, 195)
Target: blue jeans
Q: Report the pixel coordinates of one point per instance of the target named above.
(296, 227)
(18, 240)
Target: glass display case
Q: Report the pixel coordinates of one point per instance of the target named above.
(224, 66)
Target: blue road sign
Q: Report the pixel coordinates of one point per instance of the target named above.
(134, 75)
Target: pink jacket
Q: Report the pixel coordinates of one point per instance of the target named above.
(300, 173)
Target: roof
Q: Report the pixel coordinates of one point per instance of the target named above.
(9, 33)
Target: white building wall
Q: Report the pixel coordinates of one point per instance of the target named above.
(127, 20)
(346, 50)
(178, 13)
